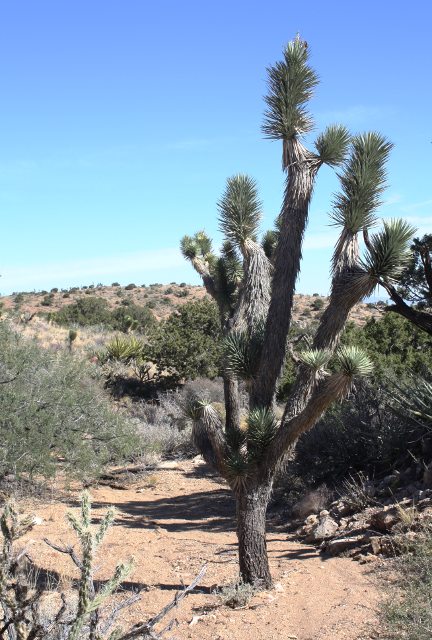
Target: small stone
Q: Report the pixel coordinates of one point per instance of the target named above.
(376, 545)
(325, 529)
(385, 519)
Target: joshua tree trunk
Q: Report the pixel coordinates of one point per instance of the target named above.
(252, 502)
(232, 402)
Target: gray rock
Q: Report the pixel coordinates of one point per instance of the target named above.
(385, 519)
(339, 545)
(325, 529)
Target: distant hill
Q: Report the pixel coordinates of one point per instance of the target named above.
(162, 299)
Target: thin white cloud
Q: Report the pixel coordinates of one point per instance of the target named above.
(393, 198)
(416, 206)
(356, 114)
(142, 264)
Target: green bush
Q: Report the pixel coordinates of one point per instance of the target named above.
(189, 343)
(317, 304)
(85, 311)
(394, 344)
(52, 408)
(130, 286)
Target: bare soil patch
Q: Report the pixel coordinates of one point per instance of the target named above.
(173, 522)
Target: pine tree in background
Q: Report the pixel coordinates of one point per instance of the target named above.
(254, 282)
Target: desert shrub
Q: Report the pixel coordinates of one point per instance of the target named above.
(394, 344)
(66, 295)
(357, 435)
(115, 284)
(52, 408)
(134, 317)
(189, 343)
(85, 311)
(317, 304)
(407, 615)
(19, 298)
(162, 428)
(47, 300)
(130, 286)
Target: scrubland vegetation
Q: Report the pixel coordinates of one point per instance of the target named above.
(282, 406)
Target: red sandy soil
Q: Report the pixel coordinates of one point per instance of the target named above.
(178, 519)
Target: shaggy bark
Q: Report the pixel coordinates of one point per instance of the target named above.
(252, 505)
(302, 168)
(232, 402)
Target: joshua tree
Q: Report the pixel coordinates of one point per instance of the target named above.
(253, 284)
(415, 285)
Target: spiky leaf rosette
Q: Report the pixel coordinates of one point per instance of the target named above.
(196, 246)
(237, 468)
(362, 182)
(235, 438)
(353, 361)
(240, 210)
(262, 427)
(413, 399)
(189, 247)
(332, 145)
(242, 352)
(290, 86)
(227, 272)
(388, 251)
(315, 359)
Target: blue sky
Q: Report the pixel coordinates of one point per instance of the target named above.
(120, 121)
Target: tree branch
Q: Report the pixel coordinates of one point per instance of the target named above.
(420, 319)
(147, 629)
(302, 170)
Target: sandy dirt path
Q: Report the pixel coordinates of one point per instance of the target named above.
(177, 520)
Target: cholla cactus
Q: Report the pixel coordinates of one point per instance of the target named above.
(23, 614)
(253, 284)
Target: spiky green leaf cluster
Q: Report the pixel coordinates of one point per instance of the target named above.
(413, 399)
(237, 467)
(227, 272)
(198, 245)
(315, 359)
(193, 406)
(125, 348)
(332, 145)
(363, 181)
(269, 242)
(235, 438)
(240, 210)
(261, 429)
(389, 251)
(242, 352)
(353, 361)
(290, 86)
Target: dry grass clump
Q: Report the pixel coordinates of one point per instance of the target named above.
(408, 614)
